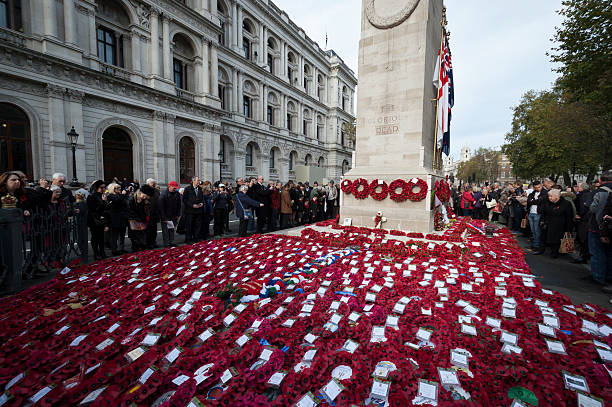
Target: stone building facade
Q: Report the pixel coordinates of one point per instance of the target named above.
(168, 89)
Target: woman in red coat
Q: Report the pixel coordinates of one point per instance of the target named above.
(467, 201)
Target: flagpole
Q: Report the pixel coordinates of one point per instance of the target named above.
(435, 141)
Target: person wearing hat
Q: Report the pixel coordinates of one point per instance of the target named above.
(96, 219)
(169, 212)
(138, 217)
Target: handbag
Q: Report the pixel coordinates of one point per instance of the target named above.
(524, 223)
(248, 213)
(491, 204)
(567, 243)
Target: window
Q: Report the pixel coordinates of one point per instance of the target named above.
(503, 174)
(222, 151)
(107, 49)
(343, 103)
(249, 155)
(291, 160)
(10, 14)
(306, 85)
(272, 159)
(180, 74)
(290, 74)
(270, 115)
(246, 106)
(289, 122)
(305, 127)
(221, 90)
(318, 132)
(246, 47)
(186, 160)
(271, 63)
(342, 135)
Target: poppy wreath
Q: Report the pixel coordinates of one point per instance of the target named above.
(361, 188)
(421, 194)
(347, 186)
(394, 186)
(384, 190)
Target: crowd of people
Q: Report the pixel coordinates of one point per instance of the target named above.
(125, 208)
(542, 211)
(546, 213)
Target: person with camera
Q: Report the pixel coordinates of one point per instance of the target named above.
(244, 209)
(599, 234)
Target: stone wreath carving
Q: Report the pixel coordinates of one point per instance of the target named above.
(389, 21)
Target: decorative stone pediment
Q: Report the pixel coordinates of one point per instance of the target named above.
(385, 14)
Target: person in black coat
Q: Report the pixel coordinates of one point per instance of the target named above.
(138, 217)
(583, 202)
(117, 215)
(154, 217)
(207, 212)
(261, 194)
(96, 219)
(193, 201)
(556, 219)
(220, 202)
(169, 212)
(243, 202)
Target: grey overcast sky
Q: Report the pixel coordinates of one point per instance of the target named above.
(499, 52)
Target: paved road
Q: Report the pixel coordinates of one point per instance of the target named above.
(569, 279)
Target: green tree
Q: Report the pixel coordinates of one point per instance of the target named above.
(552, 136)
(483, 166)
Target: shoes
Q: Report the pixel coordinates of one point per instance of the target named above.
(607, 289)
(538, 252)
(579, 260)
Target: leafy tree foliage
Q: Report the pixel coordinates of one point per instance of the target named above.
(483, 166)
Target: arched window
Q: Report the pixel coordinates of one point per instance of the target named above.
(321, 162)
(291, 68)
(308, 160)
(271, 51)
(10, 14)
(182, 62)
(249, 155)
(345, 167)
(248, 32)
(186, 160)
(319, 127)
(291, 113)
(222, 14)
(292, 160)
(344, 98)
(224, 90)
(320, 86)
(112, 25)
(15, 142)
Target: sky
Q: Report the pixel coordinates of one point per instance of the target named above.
(499, 53)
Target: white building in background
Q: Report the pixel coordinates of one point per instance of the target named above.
(168, 89)
(450, 166)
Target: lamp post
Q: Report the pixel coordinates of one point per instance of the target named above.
(73, 136)
(220, 165)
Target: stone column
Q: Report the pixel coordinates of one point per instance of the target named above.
(166, 47)
(263, 103)
(301, 73)
(205, 75)
(214, 58)
(314, 85)
(135, 39)
(234, 30)
(56, 132)
(239, 163)
(154, 50)
(240, 110)
(213, 7)
(159, 147)
(239, 26)
(283, 168)
(69, 28)
(262, 45)
(281, 62)
(200, 79)
(283, 109)
(91, 28)
(49, 18)
(234, 101)
(314, 125)
(300, 119)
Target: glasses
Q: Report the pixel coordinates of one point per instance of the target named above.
(61, 181)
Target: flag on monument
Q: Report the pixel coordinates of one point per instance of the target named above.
(443, 81)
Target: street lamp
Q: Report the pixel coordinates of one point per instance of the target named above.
(73, 136)
(220, 165)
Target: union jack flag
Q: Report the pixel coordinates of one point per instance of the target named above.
(443, 81)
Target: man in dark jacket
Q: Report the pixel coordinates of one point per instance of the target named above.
(582, 202)
(536, 198)
(153, 215)
(600, 246)
(138, 217)
(59, 179)
(192, 199)
(220, 203)
(261, 194)
(207, 212)
(169, 212)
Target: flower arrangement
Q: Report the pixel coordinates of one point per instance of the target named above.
(197, 324)
(346, 186)
(384, 189)
(361, 188)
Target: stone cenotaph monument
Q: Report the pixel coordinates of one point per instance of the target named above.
(396, 111)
